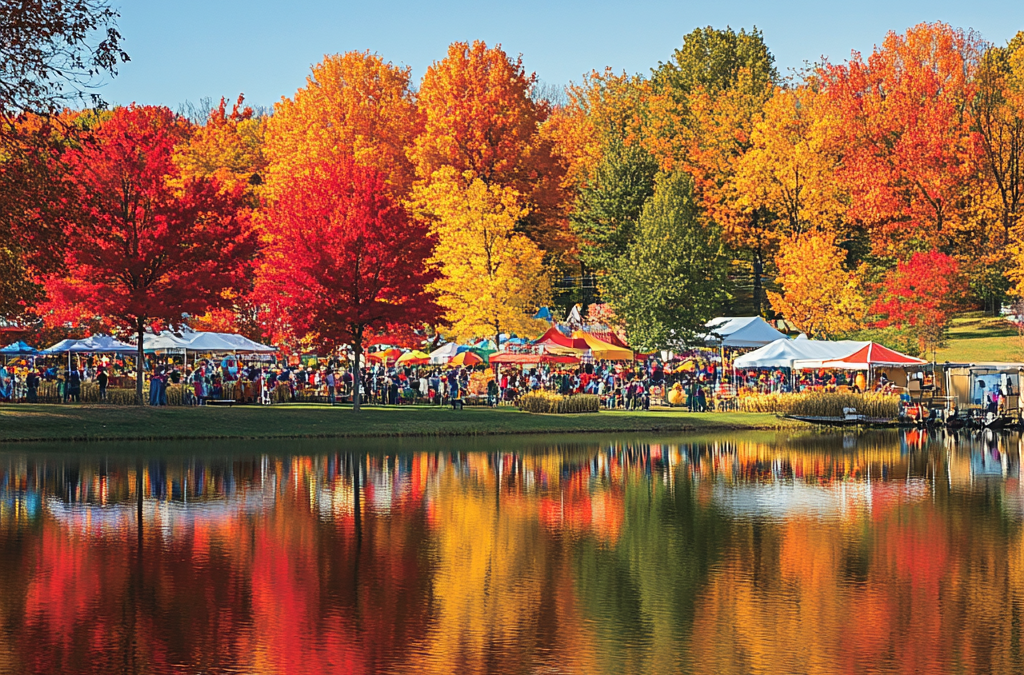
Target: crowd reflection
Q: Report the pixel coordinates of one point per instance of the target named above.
(886, 552)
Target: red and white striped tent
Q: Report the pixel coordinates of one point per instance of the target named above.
(872, 355)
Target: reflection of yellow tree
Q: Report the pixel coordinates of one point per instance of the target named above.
(489, 582)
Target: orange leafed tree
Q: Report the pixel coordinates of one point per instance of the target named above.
(479, 119)
(603, 105)
(353, 105)
(902, 117)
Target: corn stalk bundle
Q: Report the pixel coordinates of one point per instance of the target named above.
(549, 402)
(821, 404)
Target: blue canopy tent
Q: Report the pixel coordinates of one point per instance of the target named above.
(18, 349)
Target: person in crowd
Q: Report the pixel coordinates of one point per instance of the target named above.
(492, 393)
(32, 384)
(74, 385)
(102, 380)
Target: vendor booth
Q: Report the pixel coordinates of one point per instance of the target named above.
(740, 332)
(797, 354)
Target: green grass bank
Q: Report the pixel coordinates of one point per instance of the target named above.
(22, 423)
(979, 339)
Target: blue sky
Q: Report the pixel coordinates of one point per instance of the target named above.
(190, 49)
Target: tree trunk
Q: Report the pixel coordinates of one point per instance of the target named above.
(584, 300)
(758, 271)
(357, 355)
(140, 330)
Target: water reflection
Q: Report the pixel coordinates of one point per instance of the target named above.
(752, 553)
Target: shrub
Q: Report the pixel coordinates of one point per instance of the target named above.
(821, 404)
(549, 402)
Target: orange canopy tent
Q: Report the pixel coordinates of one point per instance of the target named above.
(872, 355)
(466, 359)
(385, 355)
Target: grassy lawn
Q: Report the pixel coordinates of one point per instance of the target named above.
(100, 422)
(977, 339)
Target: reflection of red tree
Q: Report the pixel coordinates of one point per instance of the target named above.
(73, 604)
(577, 509)
(294, 632)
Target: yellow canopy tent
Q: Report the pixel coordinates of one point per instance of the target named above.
(414, 358)
(604, 350)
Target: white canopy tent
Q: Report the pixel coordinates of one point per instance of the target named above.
(163, 342)
(444, 353)
(96, 344)
(740, 332)
(61, 347)
(797, 354)
(220, 343)
(103, 344)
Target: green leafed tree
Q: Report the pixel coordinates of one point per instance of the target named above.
(672, 279)
(712, 61)
(609, 206)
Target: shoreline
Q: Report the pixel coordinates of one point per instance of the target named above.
(25, 424)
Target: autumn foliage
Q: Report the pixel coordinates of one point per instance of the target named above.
(823, 188)
(342, 257)
(353, 105)
(922, 294)
(137, 248)
(821, 297)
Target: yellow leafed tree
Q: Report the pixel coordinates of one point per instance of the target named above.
(229, 146)
(493, 278)
(821, 297)
(790, 168)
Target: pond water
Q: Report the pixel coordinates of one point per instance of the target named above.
(743, 553)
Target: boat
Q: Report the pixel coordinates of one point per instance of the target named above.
(845, 421)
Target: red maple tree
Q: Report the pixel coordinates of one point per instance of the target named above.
(922, 294)
(342, 258)
(144, 244)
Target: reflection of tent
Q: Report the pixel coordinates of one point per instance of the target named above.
(810, 353)
(604, 350)
(443, 353)
(468, 358)
(18, 349)
(739, 332)
(873, 355)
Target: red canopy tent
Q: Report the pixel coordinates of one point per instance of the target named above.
(872, 355)
(509, 358)
(556, 338)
